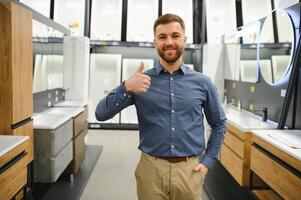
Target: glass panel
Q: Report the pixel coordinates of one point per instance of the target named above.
(71, 14)
(140, 20)
(106, 20)
(184, 9)
(106, 70)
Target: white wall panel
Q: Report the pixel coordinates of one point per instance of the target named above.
(221, 18)
(248, 71)
(129, 66)
(213, 65)
(105, 74)
(231, 61)
(141, 16)
(184, 9)
(76, 65)
(71, 14)
(106, 20)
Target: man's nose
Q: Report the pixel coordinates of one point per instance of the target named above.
(169, 41)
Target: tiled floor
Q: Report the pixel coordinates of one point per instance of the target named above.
(113, 175)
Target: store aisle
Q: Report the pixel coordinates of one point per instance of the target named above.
(113, 175)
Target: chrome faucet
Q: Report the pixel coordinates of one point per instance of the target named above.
(264, 110)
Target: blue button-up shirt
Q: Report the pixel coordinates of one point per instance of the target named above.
(170, 114)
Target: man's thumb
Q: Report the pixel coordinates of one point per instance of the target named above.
(140, 69)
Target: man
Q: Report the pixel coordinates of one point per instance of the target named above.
(170, 99)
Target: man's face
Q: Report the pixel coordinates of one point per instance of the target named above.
(170, 41)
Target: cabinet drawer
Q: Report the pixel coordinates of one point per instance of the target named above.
(50, 142)
(80, 122)
(235, 166)
(27, 130)
(284, 182)
(235, 144)
(13, 179)
(79, 149)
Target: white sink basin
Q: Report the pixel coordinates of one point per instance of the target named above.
(291, 138)
(8, 142)
(247, 121)
(70, 111)
(49, 121)
(70, 103)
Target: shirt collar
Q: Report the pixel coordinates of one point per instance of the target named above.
(159, 68)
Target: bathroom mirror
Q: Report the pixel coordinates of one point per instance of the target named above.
(55, 59)
(276, 47)
(40, 48)
(48, 57)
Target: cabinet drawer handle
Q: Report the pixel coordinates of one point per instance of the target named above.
(14, 160)
(21, 123)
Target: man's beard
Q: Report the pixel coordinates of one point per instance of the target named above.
(173, 59)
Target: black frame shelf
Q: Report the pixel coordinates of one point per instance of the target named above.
(104, 43)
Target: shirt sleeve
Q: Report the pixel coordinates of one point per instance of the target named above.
(113, 103)
(217, 120)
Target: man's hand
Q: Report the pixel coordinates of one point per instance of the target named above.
(201, 168)
(138, 82)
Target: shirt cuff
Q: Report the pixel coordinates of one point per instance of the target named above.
(208, 161)
(123, 95)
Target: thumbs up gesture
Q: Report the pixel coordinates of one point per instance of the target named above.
(138, 82)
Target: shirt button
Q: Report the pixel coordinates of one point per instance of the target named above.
(172, 111)
(171, 94)
(171, 78)
(173, 129)
(117, 104)
(124, 94)
(172, 146)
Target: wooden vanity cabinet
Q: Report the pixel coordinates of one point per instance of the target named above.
(235, 154)
(14, 177)
(277, 169)
(16, 99)
(80, 128)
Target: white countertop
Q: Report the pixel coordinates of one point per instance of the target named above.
(245, 120)
(8, 142)
(54, 117)
(288, 141)
(70, 103)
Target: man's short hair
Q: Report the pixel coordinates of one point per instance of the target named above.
(168, 18)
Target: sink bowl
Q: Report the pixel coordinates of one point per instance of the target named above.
(71, 111)
(48, 120)
(248, 121)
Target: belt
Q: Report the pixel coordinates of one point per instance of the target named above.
(174, 159)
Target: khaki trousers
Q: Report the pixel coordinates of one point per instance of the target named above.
(157, 179)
